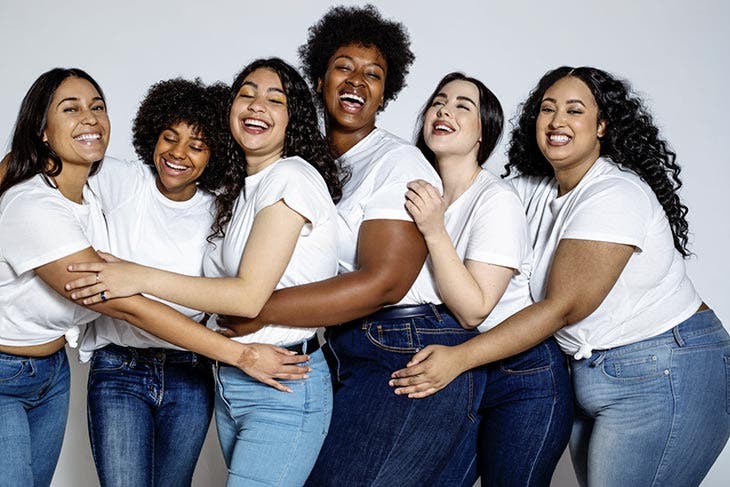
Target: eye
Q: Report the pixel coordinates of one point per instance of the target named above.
(169, 139)
(277, 101)
(437, 103)
(98, 108)
(547, 109)
(575, 111)
(464, 107)
(196, 148)
(69, 109)
(343, 67)
(373, 75)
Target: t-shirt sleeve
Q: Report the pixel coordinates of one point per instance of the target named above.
(117, 182)
(301, 188)
(396, 170)
(38, 230)
(611, 210)
(499, 231)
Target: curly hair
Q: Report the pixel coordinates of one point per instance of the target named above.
(302, 138)
(490, 115)
(631, 140)
(177, 100)
(29, 155)
(342, 26)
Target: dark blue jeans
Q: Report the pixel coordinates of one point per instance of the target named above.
(377, 438)
(148, 413)
(34, 395)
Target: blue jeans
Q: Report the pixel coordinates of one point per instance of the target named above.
(34, 394)
(378, 438)
(269, 437)
(148, 413)
(655, 412)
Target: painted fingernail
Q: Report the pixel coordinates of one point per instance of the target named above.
(73, 296)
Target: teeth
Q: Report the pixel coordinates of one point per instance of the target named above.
(85, 137)
(559, 138)
(352, 97)
(442, 127)
(171, 165)
(252, 122)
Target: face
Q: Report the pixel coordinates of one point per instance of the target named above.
(568, 130)
(353, 87)
(180, 157)
(452, 124)
(77, 129)
(259, 117)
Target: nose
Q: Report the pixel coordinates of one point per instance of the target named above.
(355, 79)
(90, 117)
(443, 111)
(558, 119)
(177, 151)
(256, 105)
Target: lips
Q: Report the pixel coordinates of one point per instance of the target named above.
(351, 101)
(442, 128)
(558, 138)
(254, 125)
(173, 167)
(88, 137)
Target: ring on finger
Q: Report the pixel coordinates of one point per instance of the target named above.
(102, 295)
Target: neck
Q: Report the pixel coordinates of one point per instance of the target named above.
(569, 177)
(71, 181)
(457, 174)
(342, 140)
(256, 163)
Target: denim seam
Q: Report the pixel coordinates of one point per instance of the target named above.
(671, 437)
(381, 346)
(17, 374)
(470, 406)
(547, 429)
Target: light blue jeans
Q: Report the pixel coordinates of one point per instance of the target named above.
(34, 395)
(269, 437)
(655, 412)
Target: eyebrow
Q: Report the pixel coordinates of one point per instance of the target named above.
(553, 100)
(256, 87)
(460, 98)
(194, 137)
(350, 58)
(73, 98)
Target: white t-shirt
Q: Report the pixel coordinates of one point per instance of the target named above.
(381, 166)
(652, 294)
(302, 189)
(39, 225)
(150, 229)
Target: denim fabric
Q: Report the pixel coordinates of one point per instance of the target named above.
(656, 412)
(378, 438)
(148, 413)
(271, 437)
(34, 394)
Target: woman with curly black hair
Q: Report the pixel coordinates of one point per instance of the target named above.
(144, 391)
(648, 358)
(279, 229)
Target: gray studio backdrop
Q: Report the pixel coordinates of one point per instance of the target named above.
(675, 52)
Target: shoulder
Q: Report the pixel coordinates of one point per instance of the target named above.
(33, 192)
(619, 185)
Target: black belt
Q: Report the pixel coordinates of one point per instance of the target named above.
(408, 311)
(310, 346)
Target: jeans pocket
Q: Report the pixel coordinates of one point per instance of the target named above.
(103, 361)
(536, 359)
(11, 369)
(393, 337)
(640, 365)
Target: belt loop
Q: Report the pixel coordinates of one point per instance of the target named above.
(435, 311)
(677, 337)
(598, 360)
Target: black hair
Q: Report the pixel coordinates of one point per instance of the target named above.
(29, 154)
(204, 108)
(631, 140)
(302, 138)
(490, 115)
(346, 25)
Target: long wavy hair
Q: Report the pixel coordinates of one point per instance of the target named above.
(29, 155)
(302, 138)
(490, 114)
(631, 140)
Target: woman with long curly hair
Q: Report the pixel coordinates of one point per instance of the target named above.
(648, 358)
(51, 220)
(150, 402)
(278, 225)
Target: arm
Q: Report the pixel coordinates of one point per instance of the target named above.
(470, 289)
(268, 250)
(263, 362)
(582, 274)
(390, 255)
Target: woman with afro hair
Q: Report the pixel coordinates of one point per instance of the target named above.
(275, 227)
(145, 395)
(648, 358)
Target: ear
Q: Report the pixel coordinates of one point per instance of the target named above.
(45, 137)
(319, 85)
(601, 131)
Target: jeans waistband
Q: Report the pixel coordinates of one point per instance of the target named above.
(155, 354)
(408, 311)
(308, 346)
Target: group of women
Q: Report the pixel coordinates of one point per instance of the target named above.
(474, 325)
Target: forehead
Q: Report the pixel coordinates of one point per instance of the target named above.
(361, 53)
(74, 87)
(570, 88)
(264, 78)
(460, 87)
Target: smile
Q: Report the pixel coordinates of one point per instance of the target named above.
(87, 137)
(443, 128)
(173, 166)
(559, 139)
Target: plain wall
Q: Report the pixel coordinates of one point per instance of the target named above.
(674, 52)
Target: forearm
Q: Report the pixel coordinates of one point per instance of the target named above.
(457, 286)
(168, 324)
(519, 332)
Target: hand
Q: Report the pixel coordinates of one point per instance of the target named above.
(266, 363)
(237, 326)
(429, 371)
(115, 277)
(426, 206)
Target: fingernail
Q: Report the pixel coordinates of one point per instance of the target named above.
(67, 287)
(391, 383)
(73, 296)
(305, 376)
